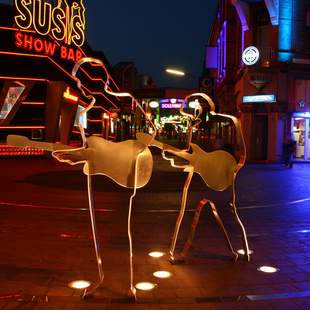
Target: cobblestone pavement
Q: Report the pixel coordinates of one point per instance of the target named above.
(46, 239)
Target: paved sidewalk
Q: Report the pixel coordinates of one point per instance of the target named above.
(46, 239)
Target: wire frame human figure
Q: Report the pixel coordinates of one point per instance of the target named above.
(218, 169)
(128, 163)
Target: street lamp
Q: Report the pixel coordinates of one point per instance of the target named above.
(175, 72)
(181, 73)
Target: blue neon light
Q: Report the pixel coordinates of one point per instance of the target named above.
(285, 30)
(259, 98)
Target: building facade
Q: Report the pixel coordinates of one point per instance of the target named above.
(258, 65)
(39, 97)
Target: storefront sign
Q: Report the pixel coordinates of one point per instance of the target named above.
(259, 98)
(171, 105)
(63, 23)
(250, 56)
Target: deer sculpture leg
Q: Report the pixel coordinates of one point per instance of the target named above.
(92, 288)
(180, 216)
(242, 229)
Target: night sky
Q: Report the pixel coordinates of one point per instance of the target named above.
(153, 34)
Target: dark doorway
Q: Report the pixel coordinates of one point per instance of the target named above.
(259, 137)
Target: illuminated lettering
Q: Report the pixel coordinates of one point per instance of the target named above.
(78, 55)
(63, 52)
(24, 19)
(78, 24)
(59, 21)
(38, 45)
(67, 95)
(28, 41)
(18, 39)
(63, 22)
(42, 21)
(69, 54)
(49, 48)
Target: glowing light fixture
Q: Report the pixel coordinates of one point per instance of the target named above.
(175, 72)
(268, 269)
(154, 104)
(79, 284)
(259, 98)
(194, 104)
(242, 252)
(67, 95)
(156, 254)
(162, 274)
(250, 56)
(145, 286)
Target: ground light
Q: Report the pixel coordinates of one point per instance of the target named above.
(162, 274)
(145, 286)
(156, 254)
(268, 269)
(79, 284)
(242, 252)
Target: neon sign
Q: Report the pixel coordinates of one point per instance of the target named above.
(67, 95)
(170, 105)
(259, 98)
(65, 23)
(41, 46)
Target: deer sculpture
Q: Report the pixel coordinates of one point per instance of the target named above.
(218, 169)
(128, 163)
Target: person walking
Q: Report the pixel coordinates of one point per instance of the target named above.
(289, 149)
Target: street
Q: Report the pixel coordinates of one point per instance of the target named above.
(47, 242)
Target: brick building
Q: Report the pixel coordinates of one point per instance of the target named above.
(269, 88)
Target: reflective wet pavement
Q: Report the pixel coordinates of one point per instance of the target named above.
(46, 239)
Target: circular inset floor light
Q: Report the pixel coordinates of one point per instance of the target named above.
(145, 286)
(268, 269)
(162, 274)
(79, 284)
(242, 252)
(156, 254)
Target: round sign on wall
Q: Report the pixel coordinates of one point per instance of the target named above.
(250, 55)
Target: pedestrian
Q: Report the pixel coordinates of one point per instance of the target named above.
(289, 148)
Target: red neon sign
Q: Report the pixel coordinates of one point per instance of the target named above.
(42, 46)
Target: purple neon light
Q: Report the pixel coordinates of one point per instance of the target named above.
(169, 100)
(222, 52)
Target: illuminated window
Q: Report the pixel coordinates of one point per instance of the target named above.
(10, 100)
(80, 119)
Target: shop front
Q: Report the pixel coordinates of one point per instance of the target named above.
(300, 129)
(39, 97)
